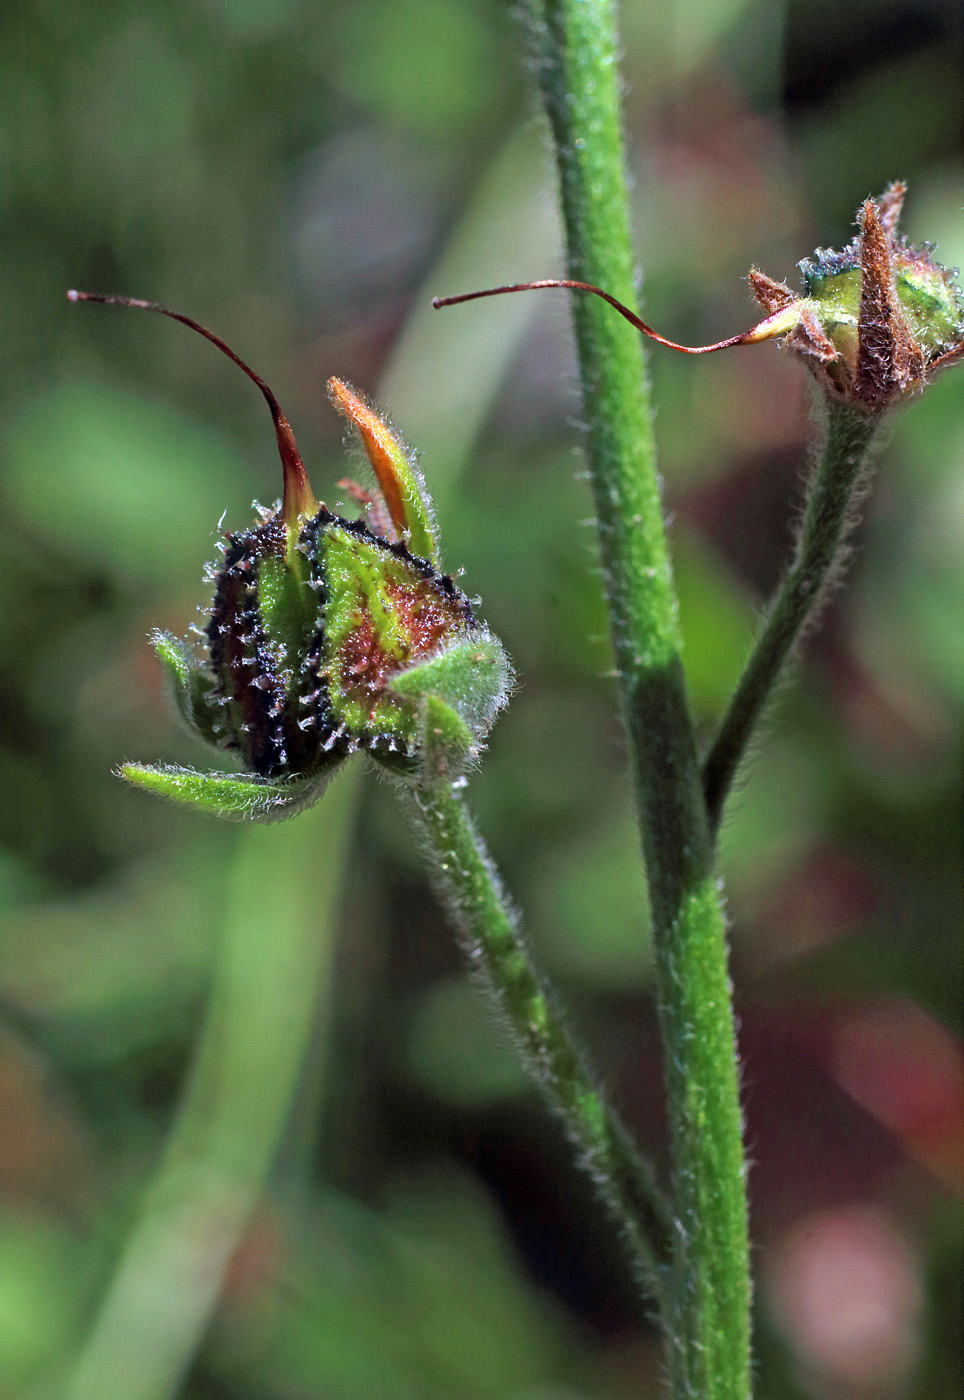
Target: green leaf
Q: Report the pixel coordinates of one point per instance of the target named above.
(231, 796)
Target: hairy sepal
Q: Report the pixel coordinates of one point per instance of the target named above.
(230, 796)
(457, 694)
(190, 686)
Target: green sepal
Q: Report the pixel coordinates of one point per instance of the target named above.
(932, 304)
(230, 796)
(400, 482)
(383, 609)
(288, 610)
(458, 693)
(189, 684)
(422, 535)
(446, 745)
(473, 676)
(419, 531)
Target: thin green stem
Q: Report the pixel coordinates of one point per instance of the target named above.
(499, 956)
(819, 554)
(575, 49)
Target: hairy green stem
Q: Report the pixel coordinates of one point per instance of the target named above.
(575, 50)
(499, 956)
(575, 53)
(819, 552)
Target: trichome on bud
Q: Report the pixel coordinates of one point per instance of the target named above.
(327, 636)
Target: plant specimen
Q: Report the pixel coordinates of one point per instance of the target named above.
(329, 636)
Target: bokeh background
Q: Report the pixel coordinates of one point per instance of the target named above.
(350, 1192)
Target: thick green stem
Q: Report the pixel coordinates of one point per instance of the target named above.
(827, 519)
(575, 48)
(499, 956)
(576, 59)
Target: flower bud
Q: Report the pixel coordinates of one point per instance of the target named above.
(327, 636)
(878, 319)
(876, 322)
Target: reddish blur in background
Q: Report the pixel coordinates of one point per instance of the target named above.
(303, 179)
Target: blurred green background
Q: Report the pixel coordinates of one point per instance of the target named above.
(349, 1192)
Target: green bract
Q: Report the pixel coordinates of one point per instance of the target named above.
(327, 636)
